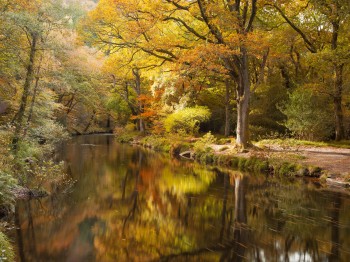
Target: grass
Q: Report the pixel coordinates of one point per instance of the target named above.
(6, 250)
(280, 164)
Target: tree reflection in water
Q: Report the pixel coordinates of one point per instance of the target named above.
(131, 204)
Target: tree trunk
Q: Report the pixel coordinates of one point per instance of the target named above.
(26, 88)
(70, 104)
(30, 115)
(108, 126)
(243, 97)
(90, 121)
(136, 73)
(227, 109)
(338, 110)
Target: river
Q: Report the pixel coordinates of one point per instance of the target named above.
(132, 204)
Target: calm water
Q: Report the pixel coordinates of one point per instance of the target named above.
(129, 204)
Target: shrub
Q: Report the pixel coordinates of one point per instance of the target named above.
(157, 143)
(187, 120)
(48, 131)
(308, 115)
(203, 144)
(7, 183)
(130, 127)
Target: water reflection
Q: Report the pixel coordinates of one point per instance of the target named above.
(131, 204)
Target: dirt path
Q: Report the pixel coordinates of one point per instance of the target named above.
(332, 159)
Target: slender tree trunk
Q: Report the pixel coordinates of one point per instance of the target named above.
(338, 110)
(90, 121)
(136, 73)
(30, 115)
(243, 97)
(108, 122)
(338, 79)
(70, 104)
(26, 88)
(227, 109)
(36, 85)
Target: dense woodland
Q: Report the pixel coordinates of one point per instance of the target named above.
(247, 69)
(259, 67)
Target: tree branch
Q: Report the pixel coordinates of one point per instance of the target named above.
(213, 29)
(309, 44)
(190, 29)
(252, 16)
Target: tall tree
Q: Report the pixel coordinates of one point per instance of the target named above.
(183, 32)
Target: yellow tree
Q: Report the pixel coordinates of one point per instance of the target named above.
(189, 33)
(125, 69)
(32, 24)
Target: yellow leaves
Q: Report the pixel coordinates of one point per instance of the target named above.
(257, 43)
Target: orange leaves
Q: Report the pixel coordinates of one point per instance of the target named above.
(207, 57)
(144, 99)
(149, 111)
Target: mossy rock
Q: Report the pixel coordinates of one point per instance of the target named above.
(301, 171)
(285, 169)
(315, 171)
(175, 149)
(207, 158)
(262, 166)
(323, 178)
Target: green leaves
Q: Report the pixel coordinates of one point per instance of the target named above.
(187, 120)
(7, 183)
(308, 115)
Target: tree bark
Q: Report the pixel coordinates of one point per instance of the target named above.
(243, 97)
(338, 110)
(227, 108)
(30, 115)
(136, 73)
(26, 88)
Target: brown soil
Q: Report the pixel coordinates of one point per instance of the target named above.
(336, 161)
(332, 159)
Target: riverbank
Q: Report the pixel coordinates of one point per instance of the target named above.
(328, 163)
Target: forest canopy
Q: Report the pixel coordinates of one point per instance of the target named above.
(244, 60)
